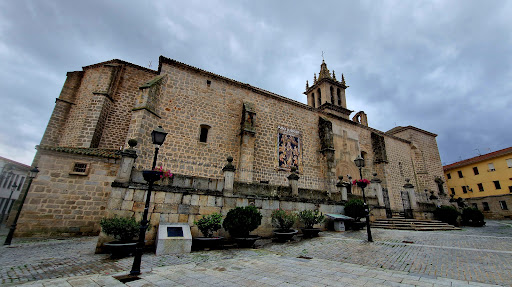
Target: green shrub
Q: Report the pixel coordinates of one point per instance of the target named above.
(447, 214)
(209, 224)
(472, 216)
(121, 228)
(355, 209)
(240, 221)
(311, 217)
(283, 220)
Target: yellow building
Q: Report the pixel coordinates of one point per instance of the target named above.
(484, 181)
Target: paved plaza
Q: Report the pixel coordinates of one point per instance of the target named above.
(467, 257)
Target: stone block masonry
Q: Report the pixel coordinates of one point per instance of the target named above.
(208, 118)
(60, 203)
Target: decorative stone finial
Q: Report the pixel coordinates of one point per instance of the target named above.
(314, 78)
(307, 84)
(324, 72)
(229, 166)
(132, 143)
(333, 75)
(293, 175)
(342, 79)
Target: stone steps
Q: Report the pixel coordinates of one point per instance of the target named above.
(412, 224)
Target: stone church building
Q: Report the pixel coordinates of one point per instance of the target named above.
(87, 170)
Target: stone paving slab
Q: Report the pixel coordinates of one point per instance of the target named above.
(267, 270)
(468, 257)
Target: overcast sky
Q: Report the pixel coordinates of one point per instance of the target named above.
(442, 66)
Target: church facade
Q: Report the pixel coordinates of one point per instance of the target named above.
(85, 175)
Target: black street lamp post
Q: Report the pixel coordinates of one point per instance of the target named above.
(4, 210)
(158, 137)
(359, 161)
(31, 175)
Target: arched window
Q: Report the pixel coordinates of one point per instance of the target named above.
(338, 92)
(332, 95)
(314, 103)
(203, 134)
(319, 97)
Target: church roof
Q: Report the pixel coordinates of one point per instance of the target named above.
(400, 129)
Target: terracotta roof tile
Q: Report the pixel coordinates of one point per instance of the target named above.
(478, 158)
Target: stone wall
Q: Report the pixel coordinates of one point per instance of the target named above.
(100, 100)
(59, 203)
(185, 199)
(495, 210)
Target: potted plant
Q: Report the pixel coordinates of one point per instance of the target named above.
(309, 218)
(283, 221)
(447, 214)
(472, 217)
(125, 230)
(208, 224)
(355, 209)
(240, 221)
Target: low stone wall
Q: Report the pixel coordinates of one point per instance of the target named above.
(182, 201)
(495, 209)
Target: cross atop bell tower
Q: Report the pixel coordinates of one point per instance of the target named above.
(326, 89)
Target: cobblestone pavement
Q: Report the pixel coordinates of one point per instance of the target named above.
(468, 257)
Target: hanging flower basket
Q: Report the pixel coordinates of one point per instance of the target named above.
(361, 182)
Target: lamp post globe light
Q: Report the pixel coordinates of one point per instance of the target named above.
(359, 161)
(31, 175)
(158, 137)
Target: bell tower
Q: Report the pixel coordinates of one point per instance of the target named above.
(327, 91)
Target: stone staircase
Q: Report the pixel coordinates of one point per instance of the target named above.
(412, 224)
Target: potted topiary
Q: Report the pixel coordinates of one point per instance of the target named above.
(447, 214)
(309, 218)
(283, 221)
(125, 230)
(240, 221)
(472, 217)
(208, 224)
(355, 209)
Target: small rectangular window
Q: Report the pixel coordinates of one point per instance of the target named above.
(491, 167)
(510, 189)
(464, 189)
(80, 168)
(475, 170)
(203, 136)
(460, 174)
(452, 190)
(208, 83)
(497, 184)
(503, 205)
(480, 187)
(509, 162)
(449, 176)
(486, 206)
